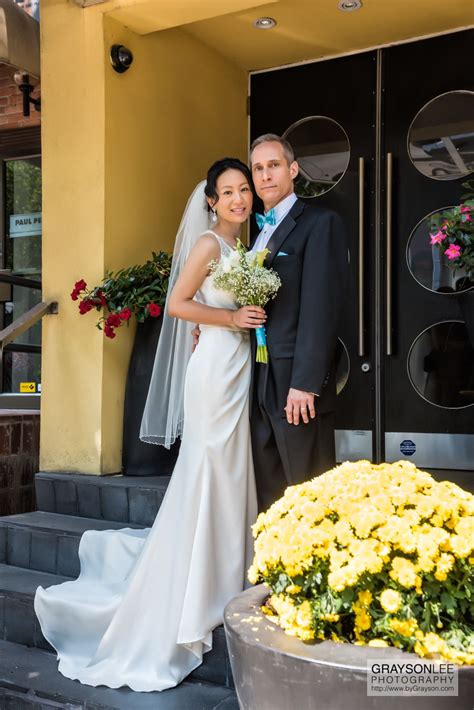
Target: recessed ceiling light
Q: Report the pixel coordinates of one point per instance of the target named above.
(348, 6)
(264, 23)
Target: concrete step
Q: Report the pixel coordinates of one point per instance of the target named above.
(18, 622)
(125, 499)
(47, 542)
(29, 680)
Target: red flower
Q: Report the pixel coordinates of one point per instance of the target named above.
(125, 314)
(102, 298)
(80, 285)
(86, 306)
(113, 320)
(154, 310)
(74, 295)
(109, 331)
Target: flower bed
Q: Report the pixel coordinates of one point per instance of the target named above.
(372, 554)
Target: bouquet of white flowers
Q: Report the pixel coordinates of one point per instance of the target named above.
(243, 275)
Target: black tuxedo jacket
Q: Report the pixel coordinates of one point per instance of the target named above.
(303, 319)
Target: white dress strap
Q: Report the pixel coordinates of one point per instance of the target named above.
(225, 248)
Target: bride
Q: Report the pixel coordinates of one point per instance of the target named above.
(143, 609)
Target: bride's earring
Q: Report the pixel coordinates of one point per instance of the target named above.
(214, 215)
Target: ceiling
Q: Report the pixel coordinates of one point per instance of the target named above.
(310, 29)
(147, 16)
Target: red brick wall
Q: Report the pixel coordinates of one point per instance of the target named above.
(11, 102)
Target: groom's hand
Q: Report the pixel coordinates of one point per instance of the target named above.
(299, 404)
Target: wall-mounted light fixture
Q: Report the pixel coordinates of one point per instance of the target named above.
(26, 87)
(265, 23)
(121, 58)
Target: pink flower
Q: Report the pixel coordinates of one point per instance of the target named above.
(438, 237)
(109, 331)
(453, 252)
(465, 208)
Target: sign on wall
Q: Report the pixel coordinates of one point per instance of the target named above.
(25, 225)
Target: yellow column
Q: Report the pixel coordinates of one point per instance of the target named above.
(73, 135)
(121, 153)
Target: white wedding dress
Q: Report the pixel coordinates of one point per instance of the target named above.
(143, 609)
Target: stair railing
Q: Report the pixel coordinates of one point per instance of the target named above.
(26, 320)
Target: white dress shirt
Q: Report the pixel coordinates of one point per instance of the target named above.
(281, 210)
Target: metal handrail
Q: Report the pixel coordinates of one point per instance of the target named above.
(25, 321)
(19, 280)
(22, 348)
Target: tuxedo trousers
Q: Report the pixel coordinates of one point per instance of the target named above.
(285, 454)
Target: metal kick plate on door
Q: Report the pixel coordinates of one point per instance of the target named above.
(353, 445)
(453, 451)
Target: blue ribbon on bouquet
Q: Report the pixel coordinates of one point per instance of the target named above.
(262, 350)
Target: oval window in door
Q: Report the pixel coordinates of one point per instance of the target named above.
(441, 365)
(428, 264)
(441, 137)
(342, 366)
(322, 150)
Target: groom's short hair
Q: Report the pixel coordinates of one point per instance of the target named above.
(273, 138)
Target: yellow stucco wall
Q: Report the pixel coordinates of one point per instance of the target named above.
(73, 124)
(121, 155)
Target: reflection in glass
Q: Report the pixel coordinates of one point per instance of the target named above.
(23, 258)
(429, 266)
(441, 365)
(21, 367)
(342, 366)
(322, 150)
(441, 137)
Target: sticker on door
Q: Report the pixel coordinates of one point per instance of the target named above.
(407, 447)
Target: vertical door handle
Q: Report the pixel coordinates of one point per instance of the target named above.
(361, 258)
(388, 251)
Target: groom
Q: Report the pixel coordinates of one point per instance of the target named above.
(294, 396)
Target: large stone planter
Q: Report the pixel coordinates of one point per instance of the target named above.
(274, 671)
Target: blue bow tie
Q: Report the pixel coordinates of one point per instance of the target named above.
(267, 218)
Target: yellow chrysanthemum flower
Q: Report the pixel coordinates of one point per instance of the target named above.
(293, 589)
(330, 617)
(365, 597)
(390, 600)
(404, 627)
(404, 572)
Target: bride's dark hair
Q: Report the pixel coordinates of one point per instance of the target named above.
(219, 167)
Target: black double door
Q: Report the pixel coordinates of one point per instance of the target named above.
(386, 139)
